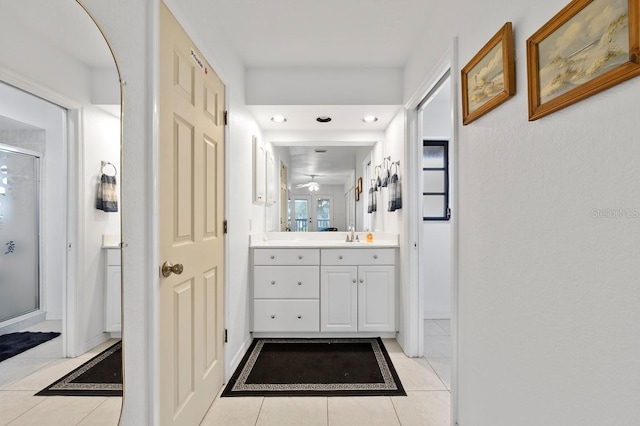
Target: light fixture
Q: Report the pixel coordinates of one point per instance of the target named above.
(278, 119)
(314, 186)
(370, 119)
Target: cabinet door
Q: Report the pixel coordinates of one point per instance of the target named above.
(376, 298)
(113, 308)
(339, 298)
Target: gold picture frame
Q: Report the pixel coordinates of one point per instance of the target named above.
(488, 79)
(587, 47)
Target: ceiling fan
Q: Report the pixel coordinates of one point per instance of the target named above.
(312, 184)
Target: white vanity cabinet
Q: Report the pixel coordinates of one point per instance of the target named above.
(357, 290)
(286, 290)
(113, 290)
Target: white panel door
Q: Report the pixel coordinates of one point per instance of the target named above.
(191, 231)
(339, 298)
(376, 298)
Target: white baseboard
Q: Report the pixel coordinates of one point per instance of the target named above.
(235, 361)
(54, 317)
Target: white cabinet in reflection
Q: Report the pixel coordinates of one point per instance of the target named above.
(113, 290)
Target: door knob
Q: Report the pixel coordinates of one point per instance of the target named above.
(168, 269)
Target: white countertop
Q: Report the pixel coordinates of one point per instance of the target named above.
(110, 241)
(320, 240)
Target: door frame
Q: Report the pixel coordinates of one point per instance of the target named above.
(415, 316)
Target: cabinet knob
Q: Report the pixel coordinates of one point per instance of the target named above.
(273, 316)
(340, 257)
(273, 282)
(354, 280)
(299, 282)
(299, 316)
(361, 280)
(300, 257)
(273, 257)
(375, 256)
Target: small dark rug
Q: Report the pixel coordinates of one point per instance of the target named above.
(100, 376)
(12, 344)
(315, 367)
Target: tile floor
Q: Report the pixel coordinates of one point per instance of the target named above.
(25, 374)
(426, 381)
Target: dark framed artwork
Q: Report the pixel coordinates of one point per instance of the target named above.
(588, 47)
(489, 78)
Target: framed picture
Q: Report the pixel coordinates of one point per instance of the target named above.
(489, 78)
(588, 47)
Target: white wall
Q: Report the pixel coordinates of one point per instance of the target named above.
(548, 290)
(20, 106)
(101, 142)
(324, 86)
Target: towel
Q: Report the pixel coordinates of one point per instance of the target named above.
(373, 202)
(107, 199)
(395, 193)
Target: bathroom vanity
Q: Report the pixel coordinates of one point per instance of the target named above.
(319, 285)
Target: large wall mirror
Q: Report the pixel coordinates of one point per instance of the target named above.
(321, 181)
(60, 180)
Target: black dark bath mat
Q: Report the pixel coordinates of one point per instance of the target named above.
(100, 376)
(315, 367)
(13, 344)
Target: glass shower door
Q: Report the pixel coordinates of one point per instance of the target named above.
(19, 229)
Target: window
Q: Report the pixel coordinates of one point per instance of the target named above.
(435, 180)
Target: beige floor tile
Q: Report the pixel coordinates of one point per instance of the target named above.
(296, 411)
(15, 403)
(233, 411)
(442, 367)
(15, 369)
(417, 374)
(431, 328)
(437, 346)
(45, 376)
(107, 413)
(445, 324)
(423, 408)
(49, 350)
(393, 348)
(59, 411)
(360, 411)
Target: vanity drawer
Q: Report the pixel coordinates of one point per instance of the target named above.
(113, 256)
(286, 315)
(286, 282)
(286, 257)
(359, 256)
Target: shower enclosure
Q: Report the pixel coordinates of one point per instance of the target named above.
(19, 232)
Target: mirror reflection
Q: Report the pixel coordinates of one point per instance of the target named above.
(60, 153)
(320, 182)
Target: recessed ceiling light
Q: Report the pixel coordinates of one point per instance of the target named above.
(370, 119)
(323, 119)
(278, 119)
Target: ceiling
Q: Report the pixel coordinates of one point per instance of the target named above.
(274, 33)
(67, 29)
(328, 33)
(332, 167)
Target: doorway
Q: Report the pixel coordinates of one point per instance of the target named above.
(312, 213)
